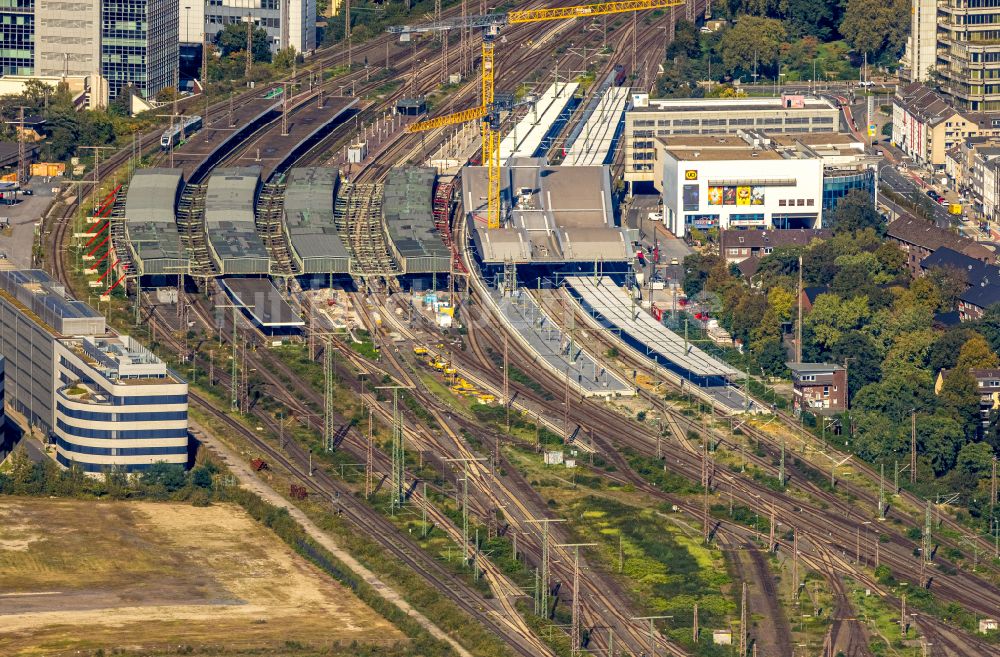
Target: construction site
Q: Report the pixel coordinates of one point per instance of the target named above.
(420, 316)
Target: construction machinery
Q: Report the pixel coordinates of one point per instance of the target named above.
(488, 112)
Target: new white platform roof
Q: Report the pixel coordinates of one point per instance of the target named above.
(527, 135)
(593, 146)
(613, 305)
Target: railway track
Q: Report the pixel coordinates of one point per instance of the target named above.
(839, 526)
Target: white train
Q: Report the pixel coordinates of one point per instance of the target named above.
(172, 136)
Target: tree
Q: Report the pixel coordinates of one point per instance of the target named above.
(772, 357)
(233, 39)
(877, 438)
(894, 396)
(863, 368)
(831, 317)
(950, 283)
(687, 41)
(975, 460)
(697, 267)
(817, 19)
(201, 477)
(284, 59)
(856, 211)
(939, 438)
(943, 354)
(960, 399)
(976, 354)
(876, 28)
(908, 354)
(167, 476)
(752, 44)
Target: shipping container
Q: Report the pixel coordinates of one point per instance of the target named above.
(48, 169)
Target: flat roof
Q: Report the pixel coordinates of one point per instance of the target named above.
(558, 214)
(309, 224)
(695, 148)
(152, 195)
(231, 194)
(612, 305)
(407, 208)
(722, 154)
(230, 220)
(597, 138)
(732, 105)
(46, 299)
(813, 138)
(814, 367)
(265, 304)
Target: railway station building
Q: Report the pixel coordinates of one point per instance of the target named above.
(103, 399)
(559, 219)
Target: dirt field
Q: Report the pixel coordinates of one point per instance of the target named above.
(78, 575)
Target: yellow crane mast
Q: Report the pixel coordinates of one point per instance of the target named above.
(488, 113)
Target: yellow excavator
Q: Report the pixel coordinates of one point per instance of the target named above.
(488, 113)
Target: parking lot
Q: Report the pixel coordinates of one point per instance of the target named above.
(19, 218)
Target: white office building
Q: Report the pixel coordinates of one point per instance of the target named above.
(738, 182)
(647, 119)
(287, 22)
(106, 401)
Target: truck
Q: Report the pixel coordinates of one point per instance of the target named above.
(955, 208)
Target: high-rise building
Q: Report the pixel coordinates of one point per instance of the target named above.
(139, 45)
(957, 42)
(287, 22)
(103, 399)
(128, 42)
(17, 29)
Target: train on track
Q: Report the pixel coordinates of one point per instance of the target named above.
(172, 136)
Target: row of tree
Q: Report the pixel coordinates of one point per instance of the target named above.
(800, 39)
(161, 481)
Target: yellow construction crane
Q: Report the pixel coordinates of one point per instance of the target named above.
(488, 113)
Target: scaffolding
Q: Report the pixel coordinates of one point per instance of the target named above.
(444, 205)
(191, 223)
(269, 221)
(357, 216)
(119, 239)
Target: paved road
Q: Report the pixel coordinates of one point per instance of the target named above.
(655, 235)
(904, 184)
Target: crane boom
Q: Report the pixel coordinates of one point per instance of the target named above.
(455, 118)
(491, 25)
(584, 11)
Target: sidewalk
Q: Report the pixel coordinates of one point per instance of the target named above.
(240, 468)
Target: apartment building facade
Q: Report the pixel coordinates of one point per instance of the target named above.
(926, 125)
(287, 22)
(957, 42)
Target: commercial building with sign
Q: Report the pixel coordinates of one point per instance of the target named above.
(650, 119)
(738, 182)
